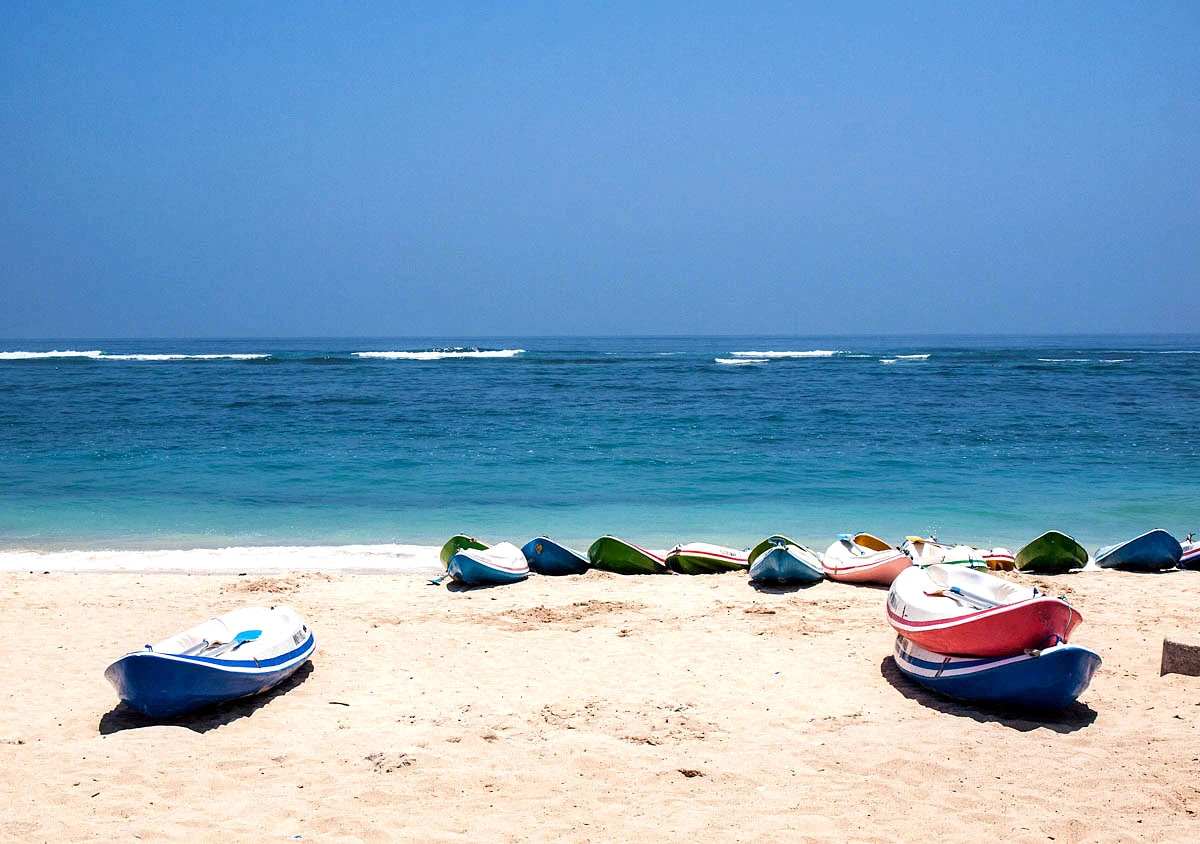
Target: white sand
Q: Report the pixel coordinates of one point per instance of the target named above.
(590, 708)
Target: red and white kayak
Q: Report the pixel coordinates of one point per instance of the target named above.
(705, 558)
(848, 561)
(999, 559)
(956, 610)
(1191, 553)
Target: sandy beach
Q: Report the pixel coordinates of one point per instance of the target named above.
(588, 708)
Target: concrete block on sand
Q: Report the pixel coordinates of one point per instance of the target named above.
(1180, 657)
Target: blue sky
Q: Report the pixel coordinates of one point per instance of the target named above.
(229, 169)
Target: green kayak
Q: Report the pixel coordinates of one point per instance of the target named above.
(704, 558)
(458, 542)
(611, 554)
(1052, 553)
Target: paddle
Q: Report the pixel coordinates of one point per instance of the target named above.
(940, 575)
(964, 597)
(238, 640)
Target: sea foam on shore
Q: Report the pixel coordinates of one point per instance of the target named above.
(417, 559)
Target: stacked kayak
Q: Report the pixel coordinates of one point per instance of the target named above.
(850, 561)
(608, 553)
(778, 559)
(974, 636)
(545, 556)
(704, 558)
(1051, 553)
(1154, 550)
(491, 566)
(234, 655)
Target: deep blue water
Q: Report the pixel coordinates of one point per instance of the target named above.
(984, 440)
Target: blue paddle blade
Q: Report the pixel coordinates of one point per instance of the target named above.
(246, 636)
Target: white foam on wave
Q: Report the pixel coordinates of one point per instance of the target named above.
(887, 360)
(1064, 360)
(95, 354)
(66, 353)
(418, 559)
(912, 357)
(1115, 360)
(439, 354)
(812, 353)
(740, 361)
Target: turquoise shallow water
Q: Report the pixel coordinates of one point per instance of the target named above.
(203, 443)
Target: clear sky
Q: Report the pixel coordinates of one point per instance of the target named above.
(272, 169)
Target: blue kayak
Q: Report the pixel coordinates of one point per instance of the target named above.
(779, 560)
(545, 556)
(1051, 678)
(501, 563)
(1154, 550)
(235, 655)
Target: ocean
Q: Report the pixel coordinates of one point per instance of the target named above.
(376, 443)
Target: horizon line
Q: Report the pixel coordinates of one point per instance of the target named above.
(613, 336)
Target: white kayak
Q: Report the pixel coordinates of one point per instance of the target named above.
(848, 561)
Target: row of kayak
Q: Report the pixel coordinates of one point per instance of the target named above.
(861, 558)
(776, 558)
(961, 632)
(973, 636)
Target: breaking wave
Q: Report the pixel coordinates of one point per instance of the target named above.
(441, 354)
(95, 354)
(812, 353)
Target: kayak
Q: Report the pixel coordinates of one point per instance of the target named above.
(778, 559)
(960, 611)
(1154, 550)
(545, 556)
(1047, 679)
(850, 562)
(616, 555)
(457, 543)
(703, 558)
(1051, 553)
(927, 552)
(499, 564)
(235, 655)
